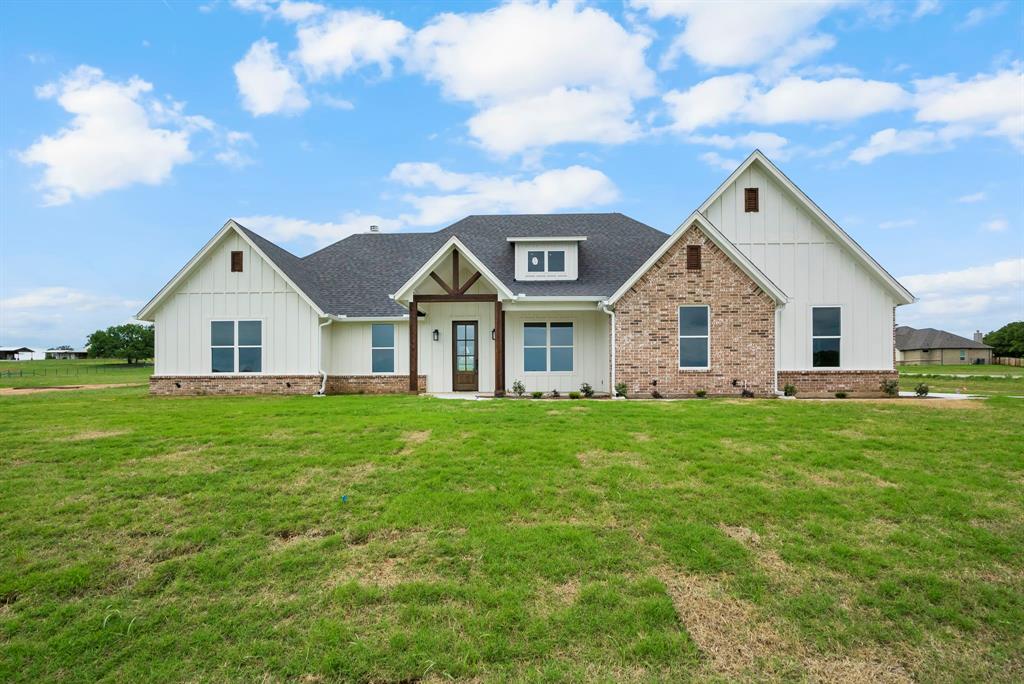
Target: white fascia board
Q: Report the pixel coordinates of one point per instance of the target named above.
(145, 314)
(553, 238)
(366, 319)
(903, 295)
(723, 243)
(402, 295)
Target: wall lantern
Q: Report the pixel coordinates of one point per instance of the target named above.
(437, 335)
(492, 333)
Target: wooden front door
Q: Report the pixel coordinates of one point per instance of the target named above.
(465, 357)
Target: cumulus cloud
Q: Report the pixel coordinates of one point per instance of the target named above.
(118, 136)
(286, 229)
(348, 40)
(266, 84)
(47, 316)
(890, 141)
(771, 144)
(982, 297)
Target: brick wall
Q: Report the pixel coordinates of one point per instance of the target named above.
(234, 384)
(828, 382)
(742, 326)
(371, 384)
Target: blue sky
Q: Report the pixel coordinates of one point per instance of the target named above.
(132, 131)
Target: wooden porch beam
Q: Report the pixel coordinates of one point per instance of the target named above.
(414, 375)
(455, 298)
(439, 281)
(499, 349)
(455, 269)
(469, 283)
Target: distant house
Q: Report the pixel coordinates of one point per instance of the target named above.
(930, 346)
(15, 353)
(66, 354)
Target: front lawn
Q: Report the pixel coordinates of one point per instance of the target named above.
(989, 380)
(53, 372)
(407, 538)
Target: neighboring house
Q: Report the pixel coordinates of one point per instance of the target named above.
(15, 353)
(67, 354)
(755, 290)
(930, 346)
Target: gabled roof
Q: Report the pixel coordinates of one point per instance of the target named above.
(404, 293)
(723, 243)
(908, 338)
(902, 294)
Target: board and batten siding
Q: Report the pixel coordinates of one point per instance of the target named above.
(212, 292)
(801, 255)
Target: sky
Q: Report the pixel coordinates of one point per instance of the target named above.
(131, 131)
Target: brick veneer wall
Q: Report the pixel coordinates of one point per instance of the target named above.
(234, 384)
(371, 384)
(742, 326)
(828, 382)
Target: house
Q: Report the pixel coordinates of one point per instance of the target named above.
(757, 289)
(915, 347)
(15, 353)
(67, 354)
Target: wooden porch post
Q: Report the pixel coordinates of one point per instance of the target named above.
(414, 384)
(499, 350)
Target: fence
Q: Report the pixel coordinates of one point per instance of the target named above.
(1007, 361)
(69, 372)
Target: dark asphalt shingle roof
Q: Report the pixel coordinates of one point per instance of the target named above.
(354, 276)
(930, 338)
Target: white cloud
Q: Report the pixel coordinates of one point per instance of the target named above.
(111, 141)
(898, 223)
(981, 297)
(914, 141)
(52, 315)
(926, 7)
(979, 15)
(336, 102)
(996, 225)
(463, 194)
(348, 40)
(972, 198)
(717, 161)
(299, 11)
(1008, 273)
(720, 34)
(771, 144)
(993, 102)
(266, 84)
(285, 229)
(792, 100)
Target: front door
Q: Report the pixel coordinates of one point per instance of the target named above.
(465, 356)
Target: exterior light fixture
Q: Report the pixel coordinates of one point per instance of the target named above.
(492, 333)
(437, 335)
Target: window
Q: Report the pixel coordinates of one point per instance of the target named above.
(750, 200)
(694, 337)
(556, 261)
(236, 345)
(547, 346)
(236, 262)
(693, 257)
(826, 332)
(540, 261)
(535, 261)
(963, 354)
(382, 342)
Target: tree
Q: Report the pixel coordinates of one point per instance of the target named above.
(1008, 340)
(130, 341)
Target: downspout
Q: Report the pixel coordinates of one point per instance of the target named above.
(611, 314)
(323, 371)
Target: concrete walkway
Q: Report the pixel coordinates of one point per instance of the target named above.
(944, 395)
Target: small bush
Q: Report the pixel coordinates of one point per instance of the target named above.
(518, 388)
(536, 395)
(701, 393)
(621, 389)
(655, 394)
(555, 394)
(921, 390)
(891, 388)
(587, 390)
(789, 390)
(575, 395)
(747, 394)
(841, 395)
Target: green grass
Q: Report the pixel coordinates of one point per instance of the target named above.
(989, 380)
(50, 373)
(207, 539)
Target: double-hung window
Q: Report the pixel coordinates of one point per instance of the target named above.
(548, 347)
(382, 342)
(694, 337)
(826, 336)
(236, 346)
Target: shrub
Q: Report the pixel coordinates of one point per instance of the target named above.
(701, 393)
(747, 394)
(621, 389)
(841, 395)
(655, 394)
(536, 395)
(921, 390)
(789, 390)
(587, 390)
(555, 393)
(575, 395)
(518, 388)
(891, 388)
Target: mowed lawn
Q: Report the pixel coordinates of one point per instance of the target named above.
(410, 539)
(52, 372)
(986, 380)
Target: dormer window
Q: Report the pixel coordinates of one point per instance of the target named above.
(535, 261)
(556, 261)
(547, 258)
(545, 261)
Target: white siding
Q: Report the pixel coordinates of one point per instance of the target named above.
(591, 361)
(801, 256)
(211, 291)
(571, 260)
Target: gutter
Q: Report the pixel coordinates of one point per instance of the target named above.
(323, 371)
(611, 314)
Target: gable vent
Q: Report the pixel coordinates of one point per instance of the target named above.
(236, 262)
(750, 199)
(693, 257)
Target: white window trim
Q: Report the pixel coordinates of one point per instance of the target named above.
(681, 337)
(547, 262)
(826, 337)
(263, 343)
(393, 348)
(548, 347)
